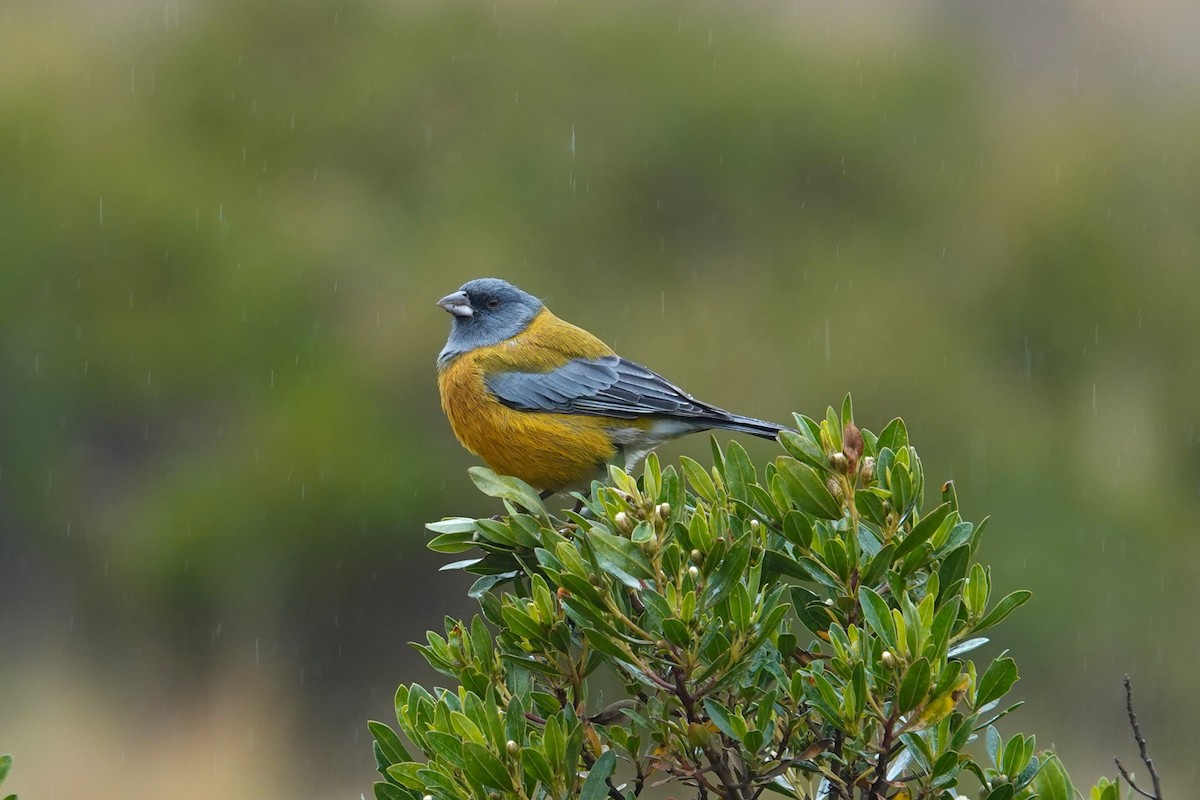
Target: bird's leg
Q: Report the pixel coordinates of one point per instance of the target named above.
(546, 494)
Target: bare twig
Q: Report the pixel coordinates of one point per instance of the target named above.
(1141, 743)
(731, 788)
(881, 766)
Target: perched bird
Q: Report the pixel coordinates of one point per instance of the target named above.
(549, 403)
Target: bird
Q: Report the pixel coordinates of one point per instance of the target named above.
(545, 401)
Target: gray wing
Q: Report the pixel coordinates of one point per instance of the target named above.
(609, 386)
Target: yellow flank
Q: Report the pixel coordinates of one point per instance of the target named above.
(547, 451)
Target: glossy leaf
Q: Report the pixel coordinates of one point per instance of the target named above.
(807, 489)
(996, 682)
(1001, 610)
(595, 786)
(507, 487)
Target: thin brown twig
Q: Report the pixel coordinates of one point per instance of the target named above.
(881, 765)
(1129, 779)
(1141, 743)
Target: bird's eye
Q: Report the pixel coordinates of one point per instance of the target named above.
(494, 303)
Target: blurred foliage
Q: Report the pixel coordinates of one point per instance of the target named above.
(5, 768)
(224, 225)
(682, 585)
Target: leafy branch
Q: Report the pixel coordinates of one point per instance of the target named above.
(803, 629)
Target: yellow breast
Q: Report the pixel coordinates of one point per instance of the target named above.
(547, 451)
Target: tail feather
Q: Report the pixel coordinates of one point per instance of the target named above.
(750, 425)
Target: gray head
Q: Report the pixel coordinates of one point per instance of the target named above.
(486, 311)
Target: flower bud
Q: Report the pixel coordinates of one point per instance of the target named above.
(755, 525)
(664, 510)
(829, 602)
(888, 659)
(696, 556)
(622, 522)
(835, 488)
(839, 462)
(511, 747)
(868, 470)
(694, 571)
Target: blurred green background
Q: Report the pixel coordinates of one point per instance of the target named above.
(224, 226)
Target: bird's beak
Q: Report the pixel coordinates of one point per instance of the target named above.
(457, 304)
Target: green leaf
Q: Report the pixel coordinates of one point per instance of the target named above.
(729, 572)
(436, 779)
(447, 747)
(878, 567)
(777, 563)
(6, 762)
(536, 765)
(953, 569)
(452, 525)
(996, 682)
(698, 478)
(1052, 781)
(819, 573)
(491, 530)
(1011, 759)
(652, 477)
(804, 449)
(923, 530)
(509, 488)
(720, 717)
(942, 629)
(798, 529)
(915, 686)
(807, 489)
(594, 786)
(642, 533)
(383, 791)
(901, 485)
(389, 745)
(1006, 606)
(945, 767)
(676, 632)
(739, 472)
(488, 582)
(1002, 792)
(453, 542)
(621, 557)
(406, 775)
(837, 559)
(483, 765)
(878, 615)
(976, 590)
(894, 435)
(718, 458)
(833, 427)
(993, 744)
(950, 494)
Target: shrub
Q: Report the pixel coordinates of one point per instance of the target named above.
(805, 629)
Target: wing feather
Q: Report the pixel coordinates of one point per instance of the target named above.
(607, 386)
